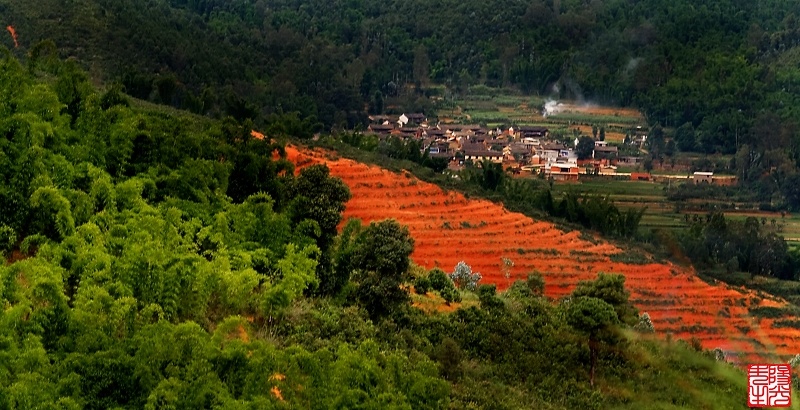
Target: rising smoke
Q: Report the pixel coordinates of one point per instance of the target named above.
(552, 107)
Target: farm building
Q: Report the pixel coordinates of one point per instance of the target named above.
(381, 129)
(477, 153)
(494, 143)
(435, 132)
(724, 180)
(532, 132)
(564, 172)
(518, 151)
(601, 152)
(629, 160)
(703, 177)
(416, 118)
(534, 142)
(709, 178)
(607, 170)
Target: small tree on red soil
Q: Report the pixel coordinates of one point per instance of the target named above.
(463, 277)
(506, 266)
(645, 325)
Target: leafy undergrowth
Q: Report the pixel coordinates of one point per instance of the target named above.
(156, 262)
(641, 372)
(432, 302)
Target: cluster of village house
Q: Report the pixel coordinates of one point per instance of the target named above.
(523, 149)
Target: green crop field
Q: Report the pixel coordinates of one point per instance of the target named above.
(584, 118)
(626, 194)
(662, 213)
(615, 187)
(495, 107)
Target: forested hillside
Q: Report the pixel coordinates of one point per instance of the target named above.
(726, 70)
(161, 260)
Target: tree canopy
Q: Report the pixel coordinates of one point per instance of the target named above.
(157, 259)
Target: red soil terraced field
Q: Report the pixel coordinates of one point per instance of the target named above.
(448, 228)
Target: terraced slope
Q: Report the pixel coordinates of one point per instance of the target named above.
(448, 228)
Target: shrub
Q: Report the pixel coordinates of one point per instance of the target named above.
(719, 355)
(771, 312)
(795, 324)
(535, 283)
(438, 280)
(645, 325)
(695, 344)
(463, 277)
(449, 356)
(422, 285)
(450, 295)
(630, 257)
(7, 239)
(487, 295)
(795, 361)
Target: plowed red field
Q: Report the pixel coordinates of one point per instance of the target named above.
(448, 228)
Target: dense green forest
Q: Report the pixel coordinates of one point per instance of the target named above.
(724, 70)
(157, 259)
(719, 76)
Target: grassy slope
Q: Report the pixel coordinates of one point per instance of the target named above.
(666, 375)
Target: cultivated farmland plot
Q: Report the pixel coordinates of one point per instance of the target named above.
(448, 228)
(507, 109)
(661, 213)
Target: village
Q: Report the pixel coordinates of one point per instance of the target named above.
(527, 150)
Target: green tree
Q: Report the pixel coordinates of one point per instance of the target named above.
(611, 289)
(685, 137)
(296, 274)
(319, 197)
(594, 318)
(656, 141)
(72, 87)
(669, 149)
(381, 256)
(442, 283)
(377, 102)
(535, 283)
(8, 238)
(113, 97)
(492, 175)
(421, 65)
(585, 147)
(647, 164)
(449, 356)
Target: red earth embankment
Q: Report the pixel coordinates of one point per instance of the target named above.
(448, 228)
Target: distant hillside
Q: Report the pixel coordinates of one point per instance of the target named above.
(724, 67)
(449, 228)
